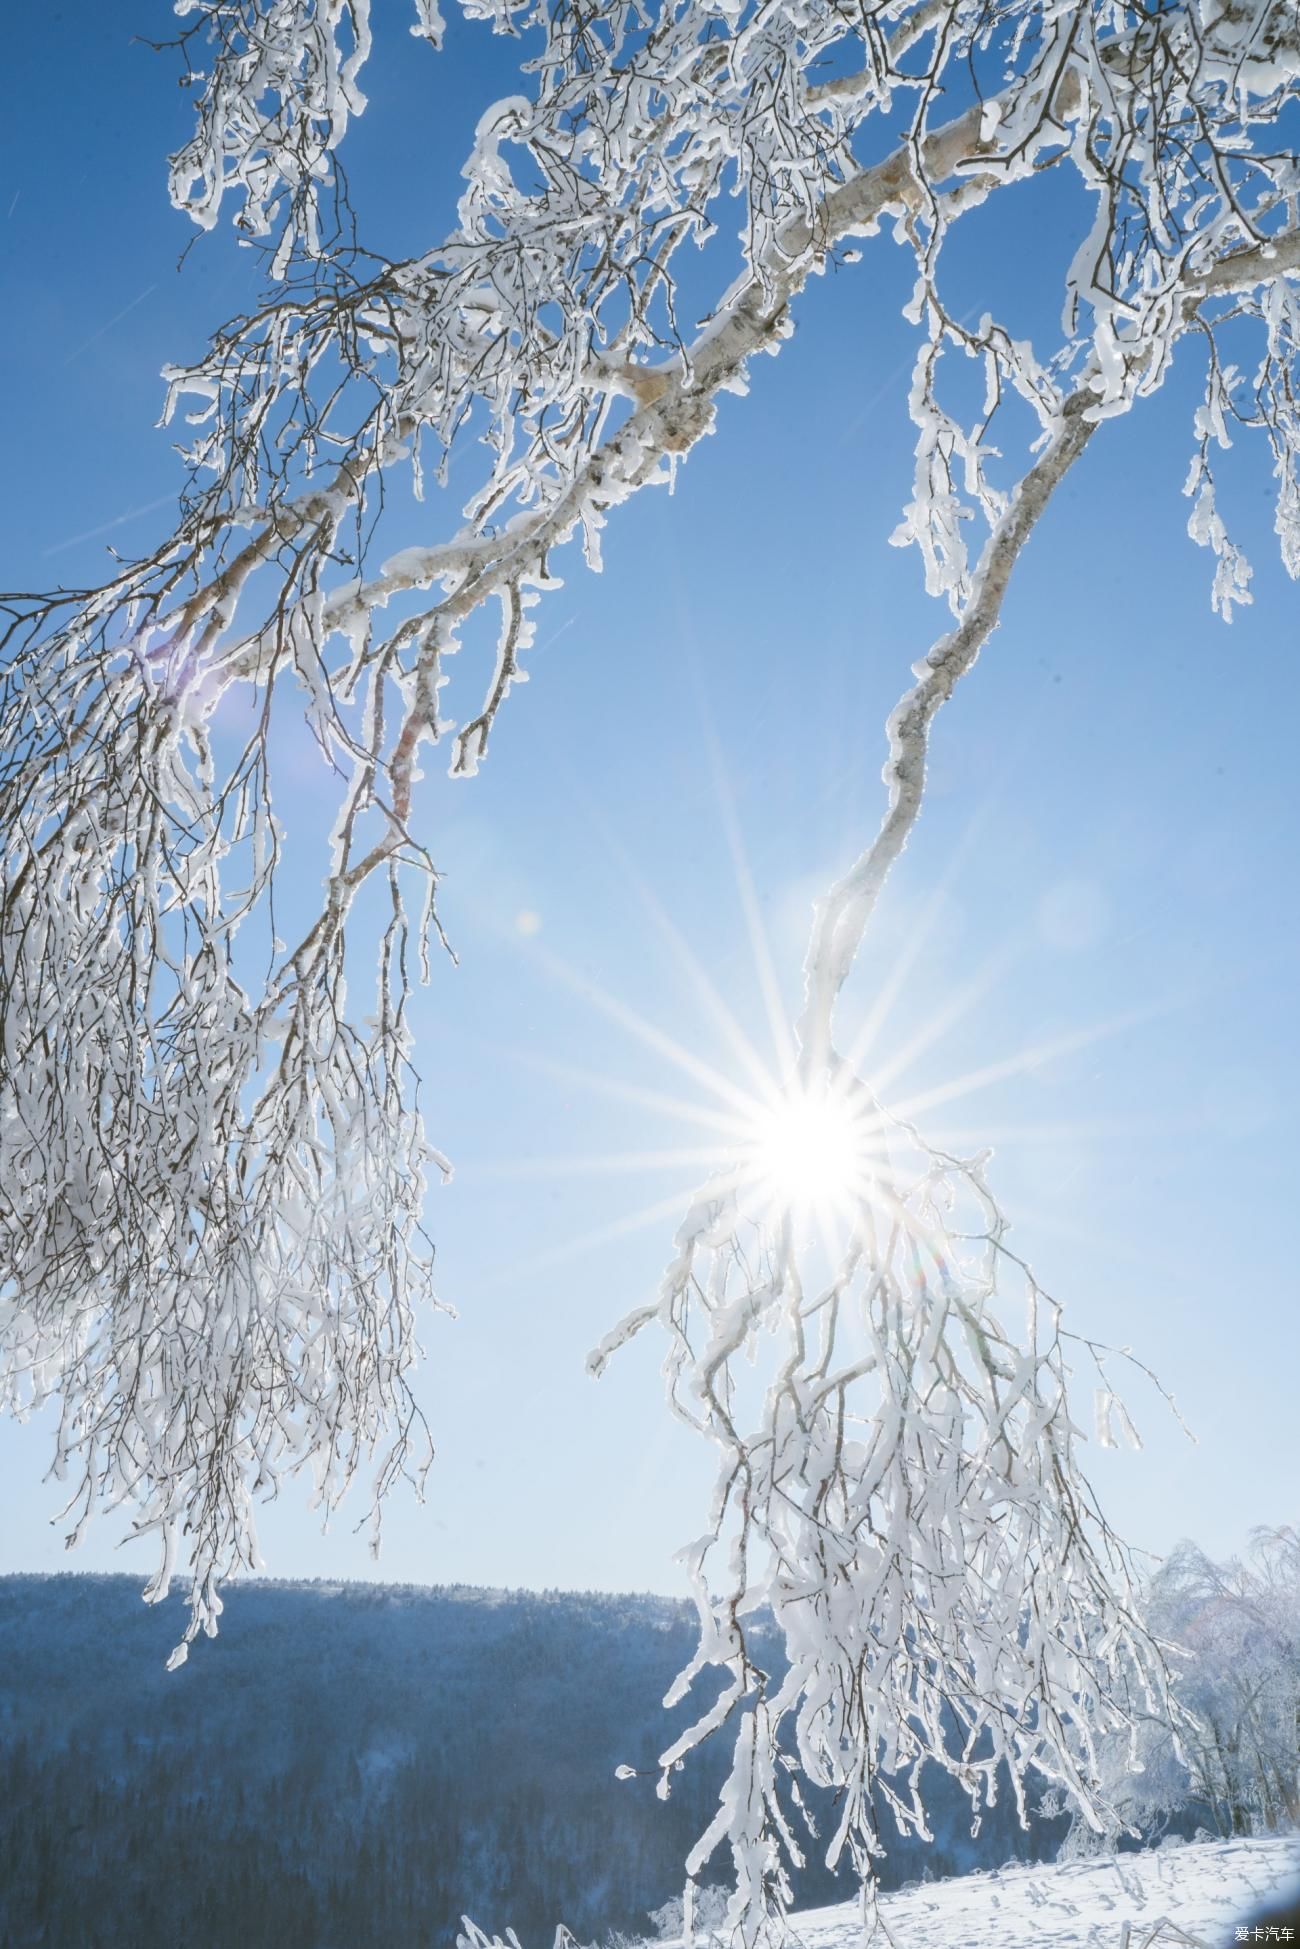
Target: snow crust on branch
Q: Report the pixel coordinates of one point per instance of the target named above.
(907, 1500)
(273, 107)
(211, 1179)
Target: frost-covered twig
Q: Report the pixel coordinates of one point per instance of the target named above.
(210, 1245)
(906, 1500)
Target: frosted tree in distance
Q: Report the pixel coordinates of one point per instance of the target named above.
(1235, 1630)
(211, 1179)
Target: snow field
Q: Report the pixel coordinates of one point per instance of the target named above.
(1203, 1890)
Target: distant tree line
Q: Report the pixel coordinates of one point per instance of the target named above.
(350, 1765)
(359, 1765)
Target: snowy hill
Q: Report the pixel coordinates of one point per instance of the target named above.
(1151, 1900)
(356, 1765)
(363, 1764)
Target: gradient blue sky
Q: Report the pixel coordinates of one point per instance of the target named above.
(1109, 844)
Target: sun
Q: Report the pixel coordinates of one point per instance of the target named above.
(813, 1160)
(810, 1148)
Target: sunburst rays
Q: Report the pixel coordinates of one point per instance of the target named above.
(816, 1154)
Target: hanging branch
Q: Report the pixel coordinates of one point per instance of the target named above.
(906, 1502)
(211, 1176)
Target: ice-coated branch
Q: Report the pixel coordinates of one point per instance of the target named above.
(904, 1496)
(211, 1176)
(843, 913)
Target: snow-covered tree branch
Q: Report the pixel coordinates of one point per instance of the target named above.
(212, 1173)
(908, 1502)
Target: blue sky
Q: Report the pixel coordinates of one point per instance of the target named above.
(1108, 844)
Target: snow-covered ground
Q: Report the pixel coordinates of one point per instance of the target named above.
(1203, 1890)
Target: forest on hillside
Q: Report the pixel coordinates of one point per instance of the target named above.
(357, 1764)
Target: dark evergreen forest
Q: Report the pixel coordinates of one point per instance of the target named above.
(362, 1764)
